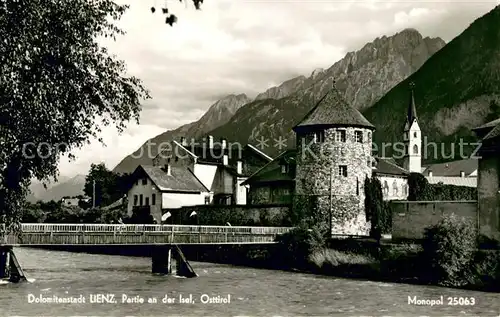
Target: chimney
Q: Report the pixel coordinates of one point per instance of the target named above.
(210, 142)
(462, 174)
(430, 173)
(183, 141)
(168, 169)
(223, 143)
(239, 167)
(225, 160)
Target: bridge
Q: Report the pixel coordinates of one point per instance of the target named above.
(41, 234)
(165, 238)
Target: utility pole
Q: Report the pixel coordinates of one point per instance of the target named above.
(93, 194)
(331, 199)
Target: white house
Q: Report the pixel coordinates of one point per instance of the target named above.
(394, 179)
(163, 187)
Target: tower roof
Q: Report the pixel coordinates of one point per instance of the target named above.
(333, 110)
(412, 110)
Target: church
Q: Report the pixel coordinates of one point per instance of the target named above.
(332, 159)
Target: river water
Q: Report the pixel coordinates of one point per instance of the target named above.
(253, 292)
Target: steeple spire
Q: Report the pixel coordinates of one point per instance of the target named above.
(412, 111)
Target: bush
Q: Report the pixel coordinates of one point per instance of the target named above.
(377, 210)
(419, 189)
(295, 246)
(449, 247)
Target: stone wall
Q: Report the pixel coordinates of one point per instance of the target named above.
(317, 163)
(236, 215)
(410, 218)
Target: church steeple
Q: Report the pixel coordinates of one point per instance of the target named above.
(412, 111)
(412, 137)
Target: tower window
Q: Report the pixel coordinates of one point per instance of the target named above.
(369, 135)
(343, 170)
(319, 136)
(153, 199)
(369, 163)
(357, 186)
(415, 149)
(340, 136)
(359, 136)
(415, 134)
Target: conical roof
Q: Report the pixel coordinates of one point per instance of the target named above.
(333, 110)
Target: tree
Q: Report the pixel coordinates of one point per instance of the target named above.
(109, 186)
(418, 187)
(55, 81)
(375, 207)
(171, 18)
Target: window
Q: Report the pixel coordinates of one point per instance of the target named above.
(144, 181)
(153, 199)
(168, 160)
(140, 200)
(207, 200)
(415, 149)
(176, 158)
(340, 136)
(369, 163)
(359, 136)
(403, 189)
(369, 135)
(395, 188)
(147, 201)
(137, 182)
(135, 200)
(357, 186)
(343, 170)
(319, 136)
(283, 169)
(415, 134)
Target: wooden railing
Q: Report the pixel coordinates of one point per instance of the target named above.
(93, 234)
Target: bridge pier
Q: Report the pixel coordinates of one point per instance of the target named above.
(161, 260)
(9, 266)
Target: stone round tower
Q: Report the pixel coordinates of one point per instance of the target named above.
(334, 156)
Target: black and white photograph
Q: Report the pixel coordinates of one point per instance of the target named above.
(249, 158)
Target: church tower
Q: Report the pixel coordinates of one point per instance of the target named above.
(412, 138)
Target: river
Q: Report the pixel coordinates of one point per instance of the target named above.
(253, 292)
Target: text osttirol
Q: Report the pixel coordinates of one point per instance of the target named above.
(54, 299)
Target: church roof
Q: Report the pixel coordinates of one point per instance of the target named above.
(387, 166)
(333, 110)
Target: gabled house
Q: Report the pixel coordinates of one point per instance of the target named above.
(393, 178)
(459, 173)
(221, 167)
(165, 187)
(274, 183)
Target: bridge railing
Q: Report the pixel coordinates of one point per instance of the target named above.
(44, 228)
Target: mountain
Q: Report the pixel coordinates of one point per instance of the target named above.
(55, 191)
(363, 77)
(218, 114)
(457, 89)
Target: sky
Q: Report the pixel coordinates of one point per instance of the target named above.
(246, 46)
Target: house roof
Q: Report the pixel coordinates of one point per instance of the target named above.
(271, 172)
(214, 155)
(489, 130)
(450, 169)
(387, 166)
(180, 179)
(457, 181)
(333, 110)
